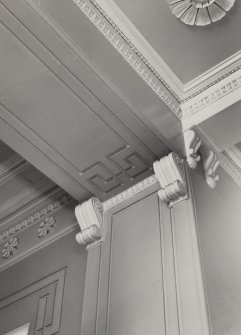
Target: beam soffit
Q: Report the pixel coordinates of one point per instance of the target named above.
(193, 102)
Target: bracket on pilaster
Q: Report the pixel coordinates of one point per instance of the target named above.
(192, 143)
(210, 164)
(90, 218)
(171, 175)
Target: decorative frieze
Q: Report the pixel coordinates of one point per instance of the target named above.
(171, 176)
(10, 247)
(130, 192)
(128, 51)
(231, 163)
(192, 143)
(217, 90)
(90, 218)
(210, 164)
(46, 227)
(35, 217)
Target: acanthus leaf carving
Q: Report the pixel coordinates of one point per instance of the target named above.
(192, 143)
(171, 176)
(90, 218)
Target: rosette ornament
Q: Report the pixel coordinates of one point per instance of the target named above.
(200, 12)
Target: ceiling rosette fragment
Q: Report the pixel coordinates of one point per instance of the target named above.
(200, 12)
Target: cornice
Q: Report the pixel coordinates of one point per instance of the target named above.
(11, 166)
(27, 194)
(36, 216)
(217, 96)
(130, 192)
(222, 80)
(130, 53)
(230, 160)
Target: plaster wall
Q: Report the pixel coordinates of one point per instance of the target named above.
(219, 227)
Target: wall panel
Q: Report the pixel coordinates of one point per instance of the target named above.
(45, 289)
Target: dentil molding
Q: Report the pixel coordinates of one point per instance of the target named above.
(219, 83)
(130, 53)
(170, 173)
(230, 161)
(90, 218)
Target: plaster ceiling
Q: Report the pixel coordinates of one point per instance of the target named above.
(188, 50)
(75, 108)
(81, 116)
(20, 183)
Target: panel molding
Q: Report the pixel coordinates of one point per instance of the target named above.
(136, 156)
(10, 167)
(185, 303)
(49, 309)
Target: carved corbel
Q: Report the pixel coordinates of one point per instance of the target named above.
(90, 218)
(192, 144)
(210, 163)
(171, 176)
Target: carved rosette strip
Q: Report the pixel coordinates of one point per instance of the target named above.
(90, 219)
(10, 247)
(192, 144)
(210, 163)
(171, 176)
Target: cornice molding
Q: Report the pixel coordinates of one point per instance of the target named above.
(203, 102)
(130, 53)
(130, 192)
(230, 161)
(11, 166)
(35, 217)
(222, 79)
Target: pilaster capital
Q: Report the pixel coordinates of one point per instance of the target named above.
(192, 143)
(90, 218)
(170, 173)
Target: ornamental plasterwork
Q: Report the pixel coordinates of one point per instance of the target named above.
(216, 91)
(192, 143)
(128, 51)
(210, 164)
(10, 247)
(90, 219)
(200, 12)
(170, 173)
(130, 192)
(35, 217)
(46, 227)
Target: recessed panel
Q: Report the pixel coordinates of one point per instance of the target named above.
(136, 304)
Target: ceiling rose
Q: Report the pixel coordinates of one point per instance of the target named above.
(200, 12)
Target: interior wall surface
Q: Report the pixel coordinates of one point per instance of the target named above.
(45, 289)
(219, 226)
(146, 278)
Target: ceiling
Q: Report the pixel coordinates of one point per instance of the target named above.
(189, 51)
(93, 94)
(20, 184)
